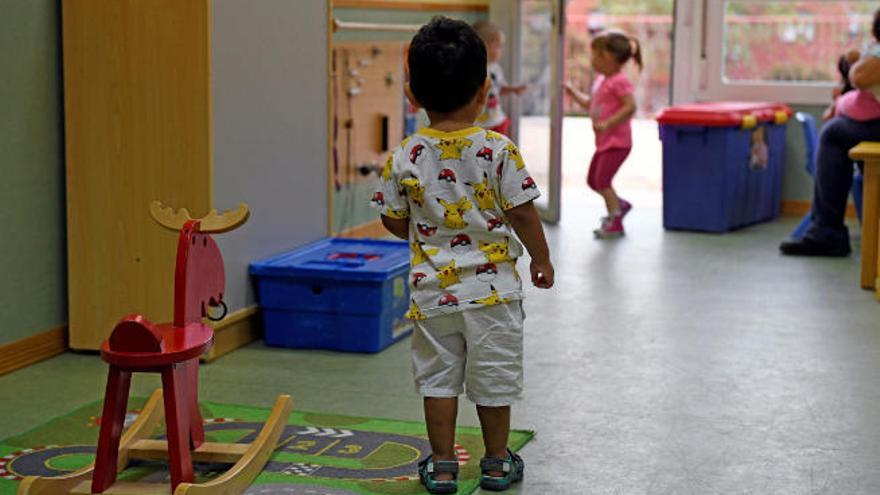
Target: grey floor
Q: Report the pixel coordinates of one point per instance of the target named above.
(661, 363)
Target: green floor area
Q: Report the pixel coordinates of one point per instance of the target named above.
(317, 454)
(661, 363)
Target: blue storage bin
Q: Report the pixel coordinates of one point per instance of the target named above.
(338, 294)
(710, 182)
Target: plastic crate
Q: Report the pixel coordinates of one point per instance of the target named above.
(338, 294)
(710, 182)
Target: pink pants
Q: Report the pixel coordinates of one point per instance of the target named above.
(604, 166)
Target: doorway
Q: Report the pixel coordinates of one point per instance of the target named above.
(554, 44)
(650, 22)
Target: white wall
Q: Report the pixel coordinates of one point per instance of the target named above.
(269, 77)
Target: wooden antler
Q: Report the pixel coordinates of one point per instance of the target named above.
(213, 222)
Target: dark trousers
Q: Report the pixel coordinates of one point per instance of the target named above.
(834, 173)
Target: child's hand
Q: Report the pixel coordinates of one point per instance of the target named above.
(542, 274)
(829, 113)
(506, 90)
(600, 126)
(568, 86)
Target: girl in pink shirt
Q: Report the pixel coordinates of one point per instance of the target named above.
(611, 106)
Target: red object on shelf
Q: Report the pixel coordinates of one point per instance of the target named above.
(171, 349)
(725, 114)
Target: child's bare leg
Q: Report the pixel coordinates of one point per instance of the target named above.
(612, 202)
(495, 423)
(440, 415)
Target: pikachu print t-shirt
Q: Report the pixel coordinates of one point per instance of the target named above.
(454, 187)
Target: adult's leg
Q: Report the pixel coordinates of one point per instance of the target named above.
(827, 232)
(834, 172)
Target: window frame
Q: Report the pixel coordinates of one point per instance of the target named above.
(698, 67)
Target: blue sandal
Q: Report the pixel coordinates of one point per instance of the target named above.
(428, 468)
(513, 468)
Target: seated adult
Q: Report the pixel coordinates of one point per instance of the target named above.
(856, 119)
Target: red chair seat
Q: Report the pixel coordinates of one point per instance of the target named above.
(180, 344)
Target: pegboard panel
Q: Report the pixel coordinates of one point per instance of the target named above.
(367, 106)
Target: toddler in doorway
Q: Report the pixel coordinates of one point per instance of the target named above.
(493, 116)
(611, 105)
(458, 193)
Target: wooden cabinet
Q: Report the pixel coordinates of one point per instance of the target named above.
(199, 104)
(138, 128)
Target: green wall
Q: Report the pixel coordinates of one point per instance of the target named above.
(796, 184)
(33, 285)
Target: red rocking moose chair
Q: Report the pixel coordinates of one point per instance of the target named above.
(173, 350)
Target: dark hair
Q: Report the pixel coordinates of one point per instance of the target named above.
(447, 65)
(621, 46)
(843, 67)
(875, 29)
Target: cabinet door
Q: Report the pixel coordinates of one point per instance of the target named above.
(137, 115)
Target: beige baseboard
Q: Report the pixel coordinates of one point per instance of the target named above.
(30, 350)
(236, 330)
(372, 229)
(797, 208)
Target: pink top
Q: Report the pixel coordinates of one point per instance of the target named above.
(606, 101)
(858, 104)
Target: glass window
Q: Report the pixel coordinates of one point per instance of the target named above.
(649, 21)
(792, 41)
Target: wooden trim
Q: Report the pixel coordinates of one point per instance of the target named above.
(157, 450)
(30, 350)
(79, 480)
(238, 477)
(209, 64)
(447, 6)
(236, 330)
(331, 191)
(797, 208)
(373, 229)
(375, 26)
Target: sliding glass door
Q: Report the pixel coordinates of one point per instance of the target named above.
(541, 34)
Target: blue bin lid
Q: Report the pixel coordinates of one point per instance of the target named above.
(362, 259)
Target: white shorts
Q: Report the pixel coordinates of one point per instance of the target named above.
(480, 350)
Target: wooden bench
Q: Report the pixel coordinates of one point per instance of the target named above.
(869, 153)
